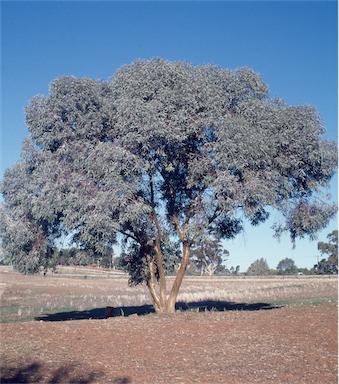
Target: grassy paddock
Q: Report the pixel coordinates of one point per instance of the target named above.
(24, 298)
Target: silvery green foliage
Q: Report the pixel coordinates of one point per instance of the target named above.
(26, 242)
(166, 151)
(215, 138)
(87, 177)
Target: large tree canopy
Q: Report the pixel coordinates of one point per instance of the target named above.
(167, 155)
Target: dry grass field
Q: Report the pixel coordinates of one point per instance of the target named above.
(225, 330)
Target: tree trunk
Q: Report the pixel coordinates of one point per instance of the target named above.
(178, 279)
(161, 272)
(151, 284)
(161, 303)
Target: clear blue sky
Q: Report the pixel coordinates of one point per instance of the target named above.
(293, 45)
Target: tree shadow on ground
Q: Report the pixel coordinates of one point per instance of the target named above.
(222, 306)
(197, 306)
(97, 313)
(36, 373)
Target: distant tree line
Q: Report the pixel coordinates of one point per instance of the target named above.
(287, 266)
(209, 258)
(81, 257)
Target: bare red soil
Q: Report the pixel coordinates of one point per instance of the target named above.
(282, 345)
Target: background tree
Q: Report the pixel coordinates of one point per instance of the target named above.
(65, 256)
(162, 154)
(107, 259)
(234, 271)
(287, 267)
(258, 268)
(208, 255)
(330, 249)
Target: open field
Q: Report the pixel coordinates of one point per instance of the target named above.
(226, 330)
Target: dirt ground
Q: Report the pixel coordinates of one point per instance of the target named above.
(280, 345)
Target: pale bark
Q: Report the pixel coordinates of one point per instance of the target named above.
(151, 284)
(162, 278)
(179, 278)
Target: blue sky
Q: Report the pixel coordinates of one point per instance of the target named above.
(293, 45)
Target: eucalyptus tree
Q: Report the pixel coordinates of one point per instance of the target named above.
(208, 255)
(259, 267)
(287, 267)
(331, 247)
(329, 265)
(167, 154)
